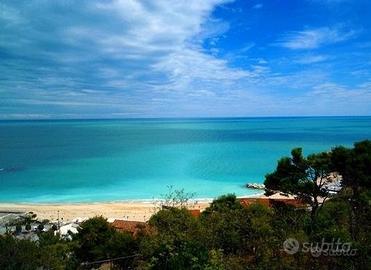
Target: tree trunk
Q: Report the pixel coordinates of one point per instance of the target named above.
(313, 215)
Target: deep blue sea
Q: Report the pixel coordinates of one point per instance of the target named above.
(107, 160)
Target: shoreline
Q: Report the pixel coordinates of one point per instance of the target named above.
(67, 212)
(135, 210)
(150, 201)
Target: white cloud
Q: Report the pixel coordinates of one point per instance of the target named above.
(246, 48)
(127, 43)
(311, 59)
(342, 94)
(314, 38)
(126, 56)
(190, 69)
(160, 41)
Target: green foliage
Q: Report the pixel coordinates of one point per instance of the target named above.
(216, 260)
(24, 254)
(98, 240)
(298, 175)
(332, 222)
(17, 254)
(176, 242)
(49, 238)
(123, 245)
(173, 221)
(93, 239)
(176, 198)
(344, 217)
(224, 202)
(354, 165)
(303, 177)
(226, 224)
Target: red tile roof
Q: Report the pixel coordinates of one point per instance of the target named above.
(127, 226)
(194, 212)
(269, 202)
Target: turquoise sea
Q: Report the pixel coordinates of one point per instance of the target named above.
(106, 160)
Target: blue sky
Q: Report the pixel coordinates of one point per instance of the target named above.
(194, 58)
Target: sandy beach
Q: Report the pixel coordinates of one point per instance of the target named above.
(127, 210)
(136, 211)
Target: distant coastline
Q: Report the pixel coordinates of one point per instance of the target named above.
(182, 118)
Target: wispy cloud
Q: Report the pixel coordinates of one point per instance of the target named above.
(123, 58)
(314, 38)
(126, 51)
(311, 59)
(329, 1)
(258, 6)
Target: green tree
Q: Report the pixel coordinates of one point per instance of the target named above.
(56, 256)
(123, 245)
(98, 240)
(305, 178)
(177, 198)
(18, 254)
(354, 165)
(226, 225)
(175, 243)
(244, 235)
(92, 239)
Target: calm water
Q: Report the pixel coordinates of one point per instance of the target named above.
(56, 161)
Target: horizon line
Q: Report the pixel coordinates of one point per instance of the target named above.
(180, 118)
